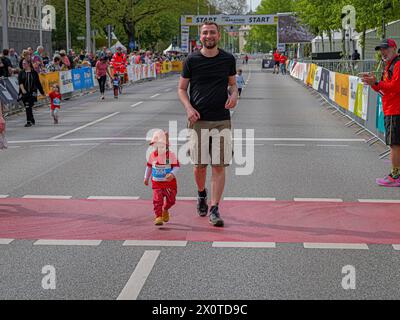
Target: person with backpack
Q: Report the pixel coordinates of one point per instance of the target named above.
(389, 88)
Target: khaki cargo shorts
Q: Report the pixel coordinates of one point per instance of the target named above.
(211, 143)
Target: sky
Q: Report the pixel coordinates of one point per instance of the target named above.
(255, 3)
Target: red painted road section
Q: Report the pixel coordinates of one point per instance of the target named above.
(246, 221)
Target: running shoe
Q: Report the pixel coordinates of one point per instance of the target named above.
(389, 182)
(159, 221)
(202, 206)
(215, 217)
(165, 216)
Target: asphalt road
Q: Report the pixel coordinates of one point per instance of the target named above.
(301, 151)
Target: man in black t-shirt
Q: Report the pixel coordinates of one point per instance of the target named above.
(209, 72)
(5, 65)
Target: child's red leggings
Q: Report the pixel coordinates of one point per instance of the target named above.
(158, 200)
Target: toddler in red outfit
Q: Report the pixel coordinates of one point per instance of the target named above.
(162, 166)
(55, 100)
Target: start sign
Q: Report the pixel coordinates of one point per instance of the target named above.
(227, 20)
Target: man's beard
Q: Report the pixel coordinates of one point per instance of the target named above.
(210, 44)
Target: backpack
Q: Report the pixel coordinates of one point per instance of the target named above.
(392, 66)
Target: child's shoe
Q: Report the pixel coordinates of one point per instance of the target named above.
(159, 221)
(165, 216)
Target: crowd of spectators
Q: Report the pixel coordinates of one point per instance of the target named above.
(11, 61)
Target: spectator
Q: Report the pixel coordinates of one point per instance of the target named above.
(37, 59)
(29, 84)
(56, 65)
(82, 55)
(66, 60)
(282, 62)
(277, 58)
(13, 58)
(72, 59)
(389, 88)
(46, 59)
(25, 56)
(5, 65)
(356, 56)
(109, 55)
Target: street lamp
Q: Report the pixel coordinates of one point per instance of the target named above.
(67, 24)
(88, 30)
(4, 20)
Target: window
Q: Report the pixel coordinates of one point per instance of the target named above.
(35, 12)
(12, 5)
(21, 10)
(28, 9)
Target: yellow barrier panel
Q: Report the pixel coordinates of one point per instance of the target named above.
(166, 67)
(48, 80)
(177, 66)
(342, 84)
(311, 74)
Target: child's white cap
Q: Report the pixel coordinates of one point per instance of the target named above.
(160, 136)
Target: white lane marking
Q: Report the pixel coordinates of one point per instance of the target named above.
(332, 146)
(154, 96)
(248, 199)
(339, 246)
(396, 247)
(255, 245)
(300, 140)
(316, 200)
(136, 104)
(378, 201)
(45, 146)
(84, 126)
(83, 144)
(289, 145)
(125, 144)
(167, 90)
(46, 197)
(3, 196)
(6, 241)
(186, 198)
(113, 198)
(154, 243)
(93, 243)
(139, 276)
(181, 139)
(14, 147)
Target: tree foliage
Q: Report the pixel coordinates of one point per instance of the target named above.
(324, 17)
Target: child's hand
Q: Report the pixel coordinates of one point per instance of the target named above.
(169, 177)
(146, 182)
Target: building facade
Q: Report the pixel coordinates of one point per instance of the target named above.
(24, 25)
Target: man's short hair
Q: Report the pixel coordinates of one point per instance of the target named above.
(210, 23)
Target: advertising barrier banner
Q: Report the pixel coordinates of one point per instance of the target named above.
(342, 90)
(5, 96)
(380, 117)
(48, 80)
(66, 85)
(361, 103)
(317, 78)
(353, 92)
(323, 86)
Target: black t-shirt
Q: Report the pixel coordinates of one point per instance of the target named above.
(209, 79)
(4, 72)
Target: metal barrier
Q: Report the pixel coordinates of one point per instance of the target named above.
(372, 120)
(349, 66)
